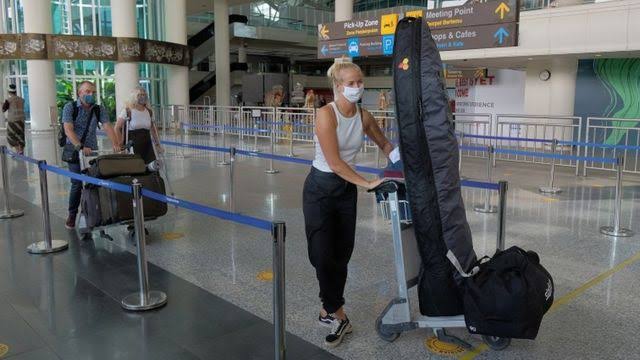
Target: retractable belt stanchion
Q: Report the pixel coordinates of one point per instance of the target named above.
(7, 212)
(487, 208)
(270, 169)
(144, 299)
(292, 124)
(502, 214)
(232, 197)
(279, 318)
(224, 161)
(48, 245)
(616, 230)
(550, 189)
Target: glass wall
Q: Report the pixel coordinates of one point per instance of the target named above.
(91, 18)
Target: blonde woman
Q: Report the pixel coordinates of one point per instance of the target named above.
(136, 119)
(330, 191)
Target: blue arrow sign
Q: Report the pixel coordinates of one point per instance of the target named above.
(324, 50)
(501, 34)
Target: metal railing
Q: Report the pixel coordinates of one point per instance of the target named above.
(617, 137)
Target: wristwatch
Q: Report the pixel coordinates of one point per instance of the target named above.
(77, 147)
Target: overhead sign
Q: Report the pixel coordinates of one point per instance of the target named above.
(476, 37)
(494, 12)
(471, 26)
(356, 46)
(453, 73)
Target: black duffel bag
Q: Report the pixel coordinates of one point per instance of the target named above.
(508, 295)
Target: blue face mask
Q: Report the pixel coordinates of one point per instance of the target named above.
(89, 99)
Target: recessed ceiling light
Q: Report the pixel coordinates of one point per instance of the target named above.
(598, 55)
(529, 59)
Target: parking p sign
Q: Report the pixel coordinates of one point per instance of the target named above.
(387, 44)
(353, 47)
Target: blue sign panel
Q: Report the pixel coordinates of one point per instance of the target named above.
(387, 44)
(353, 47)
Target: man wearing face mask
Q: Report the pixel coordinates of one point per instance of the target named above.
(330, 191)
(82, 117)
(136, 121)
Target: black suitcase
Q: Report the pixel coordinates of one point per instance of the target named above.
(112, 165)
(102, 206)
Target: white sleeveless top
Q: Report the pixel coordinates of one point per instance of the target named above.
(139, 119)
(350, 138)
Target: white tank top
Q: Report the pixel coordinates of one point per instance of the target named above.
(139, 119)
(350, 138)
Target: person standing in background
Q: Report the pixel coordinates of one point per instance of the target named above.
(14, 107)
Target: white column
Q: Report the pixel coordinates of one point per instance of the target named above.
(176, 32)
(40, 73)
(223, 66)
(344, 10)
(554, 97)
(242, 53)
(123, 15)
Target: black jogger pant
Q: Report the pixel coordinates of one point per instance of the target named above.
(329, 206)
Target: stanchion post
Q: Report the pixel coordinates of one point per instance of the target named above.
(551, 189)
(47, 245)
(503, 187)
(616, 230)
(144, 299)
(232, 161)
(224, 161)
(487, 208)
(291, 154)
(7, 213)
(270, 169)
(279, 316)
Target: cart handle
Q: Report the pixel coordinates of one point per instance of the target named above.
(387, 186)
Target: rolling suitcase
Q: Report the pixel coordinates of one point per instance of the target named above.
(111, 165)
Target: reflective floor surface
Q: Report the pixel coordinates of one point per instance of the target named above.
(210, 267)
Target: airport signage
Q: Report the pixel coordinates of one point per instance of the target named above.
(492, 12)
(470, 26)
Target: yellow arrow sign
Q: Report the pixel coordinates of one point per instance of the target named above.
(502, 9)
(324, 32)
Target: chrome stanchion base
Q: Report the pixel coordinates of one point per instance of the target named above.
(549, 190)
(485, 210)
(133, 302)
(10, 214)
(41, 247)
(271, 171)
(611, 231)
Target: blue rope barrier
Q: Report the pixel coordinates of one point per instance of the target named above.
(21, 157)
(473, 148)
(556, 156)
(605, 146)
(210, 211)
(480, 184)
(505, 138)
(88, 179)
(190, 146)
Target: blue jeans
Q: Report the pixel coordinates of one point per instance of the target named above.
(76, 190)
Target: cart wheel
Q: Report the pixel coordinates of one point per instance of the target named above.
(385, 335)
(496, 343)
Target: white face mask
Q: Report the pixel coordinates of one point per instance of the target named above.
(353, 94)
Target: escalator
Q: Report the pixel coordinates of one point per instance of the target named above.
(202, 87)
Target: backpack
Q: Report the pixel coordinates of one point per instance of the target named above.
(508, 295)
(62, 136)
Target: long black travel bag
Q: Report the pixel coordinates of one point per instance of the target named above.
(112, 165)
(429, 153)
(509, 295)
(102, 206)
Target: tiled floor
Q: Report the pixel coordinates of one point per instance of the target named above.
(225, 259)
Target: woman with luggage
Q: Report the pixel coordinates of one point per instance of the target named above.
(135, 124)
(330, 191)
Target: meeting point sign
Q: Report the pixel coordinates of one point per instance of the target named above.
(476, 24)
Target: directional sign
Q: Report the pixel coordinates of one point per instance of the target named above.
(476, 37)
(355, 47)
(352, 28)
(492, 12)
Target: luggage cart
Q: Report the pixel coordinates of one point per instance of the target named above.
(396, 317)
(84, 231)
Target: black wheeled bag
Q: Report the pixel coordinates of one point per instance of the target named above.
(508, 296)
(103, 206)
(112, 165)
